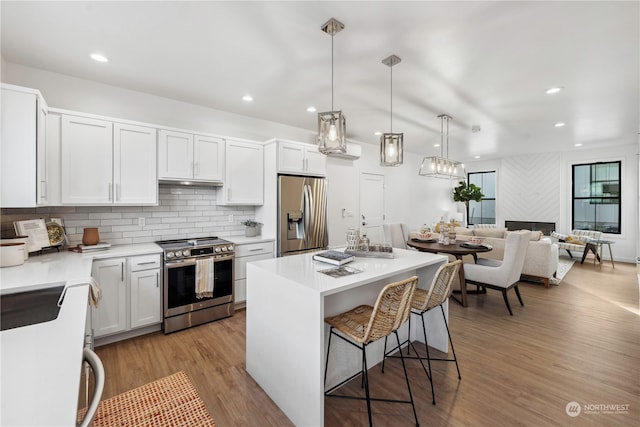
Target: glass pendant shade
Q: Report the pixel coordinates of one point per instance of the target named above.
(441, 166)
(332, 125)
(331, 132)
(391, 149)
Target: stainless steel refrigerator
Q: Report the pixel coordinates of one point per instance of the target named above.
(302, 214)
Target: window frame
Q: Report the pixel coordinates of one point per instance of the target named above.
(592, 180)
(495, 173)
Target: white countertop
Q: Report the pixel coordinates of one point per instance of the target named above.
(242, 240)
(41, 363)
(303, 270)
(42, 270)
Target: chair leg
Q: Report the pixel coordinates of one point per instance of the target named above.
(406, 377)
(426, 344)
(518, 294)
(365, 379)
(326, 363)
(506, 301)
(384, 354)
(569, 252)
(450, 341)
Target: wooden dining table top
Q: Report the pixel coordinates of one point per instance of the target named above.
(453, 249)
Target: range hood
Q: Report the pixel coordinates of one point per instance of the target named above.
(191, 183)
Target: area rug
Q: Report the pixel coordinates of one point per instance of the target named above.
(564, 265)
(170, 401)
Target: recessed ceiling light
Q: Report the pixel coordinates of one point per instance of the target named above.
(577, 144)
(247, 98)
(553, 90)
(311, 109)
(559, 124)
(436, 145)
(476, 157)
(377, 133)
(98, 57)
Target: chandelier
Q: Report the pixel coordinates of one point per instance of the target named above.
(441, 166)
(391, 143)
(332, 124)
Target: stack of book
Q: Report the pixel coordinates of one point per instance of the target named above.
(333, 257)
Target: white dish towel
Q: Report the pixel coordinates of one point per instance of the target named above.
(204, 278)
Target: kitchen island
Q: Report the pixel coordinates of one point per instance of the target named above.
(287, 301)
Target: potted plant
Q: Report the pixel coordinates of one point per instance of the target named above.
(252, 227)
(466, 192)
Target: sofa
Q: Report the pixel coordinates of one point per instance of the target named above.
(540, 263)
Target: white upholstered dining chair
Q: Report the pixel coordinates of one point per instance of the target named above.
(501, 275)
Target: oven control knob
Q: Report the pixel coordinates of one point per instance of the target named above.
(230, 248)
(224, 249)
(170, 255)
(217, 250)
(185, 252)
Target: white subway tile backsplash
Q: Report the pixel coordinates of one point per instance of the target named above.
(182, 212)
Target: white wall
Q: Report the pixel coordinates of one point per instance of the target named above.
(408, 197)
(538, 188)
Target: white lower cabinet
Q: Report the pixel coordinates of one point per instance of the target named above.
(246, 253)
(131, 294)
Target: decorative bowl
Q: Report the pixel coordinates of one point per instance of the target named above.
(476, 241)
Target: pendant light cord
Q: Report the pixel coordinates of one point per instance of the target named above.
(331, 72)
(391, 101)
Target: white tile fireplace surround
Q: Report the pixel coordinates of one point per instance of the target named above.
(182, 212)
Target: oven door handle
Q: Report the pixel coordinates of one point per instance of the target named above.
(181, 263)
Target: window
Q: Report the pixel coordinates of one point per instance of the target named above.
(596, 197)
(483, 212)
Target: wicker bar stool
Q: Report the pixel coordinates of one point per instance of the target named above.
(423, 301)
(365, 324)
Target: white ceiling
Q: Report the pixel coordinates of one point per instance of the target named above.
(484, 63)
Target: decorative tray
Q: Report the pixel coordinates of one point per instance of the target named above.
(383, 253)
(415, 239)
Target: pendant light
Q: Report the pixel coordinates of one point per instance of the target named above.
(441, 166)
(391, 150)
(332, 124)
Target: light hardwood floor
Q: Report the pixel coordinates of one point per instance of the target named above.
(579, 341)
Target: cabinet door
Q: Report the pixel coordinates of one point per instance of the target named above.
(18, 149)
(315, 161)
(111, 314)
(86, 158)
(41, 149)
(135, 178)
(175, 155)
(290, 157)
(208, 158)
(243, 174)
(145, 297)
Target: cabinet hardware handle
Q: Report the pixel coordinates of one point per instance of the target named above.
(254, 250)
(110, 193)
(122, 270)
(197, 169)
(146, 263)
(157, 279)
(117, 193)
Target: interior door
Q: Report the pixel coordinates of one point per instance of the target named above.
(372, 206)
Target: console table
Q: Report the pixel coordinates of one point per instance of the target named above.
(595, 246)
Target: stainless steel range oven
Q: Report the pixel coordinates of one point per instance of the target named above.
(184, 305)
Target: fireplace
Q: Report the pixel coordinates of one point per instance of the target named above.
(545, 227)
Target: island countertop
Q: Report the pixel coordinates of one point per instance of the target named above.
(303, 269)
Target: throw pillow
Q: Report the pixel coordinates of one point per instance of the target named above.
(498, 233)
(536, 235)
(575, 240)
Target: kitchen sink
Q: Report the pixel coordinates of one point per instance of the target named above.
(29, 307)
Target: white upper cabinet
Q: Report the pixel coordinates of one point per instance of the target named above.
(107, 163)
(244, 179)
(184, 156)
(135, 180)
(301, 159)
(23, 148)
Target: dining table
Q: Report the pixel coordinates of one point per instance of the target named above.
(458, 249)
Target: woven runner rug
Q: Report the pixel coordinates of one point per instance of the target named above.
(564, 265)
(170, 401)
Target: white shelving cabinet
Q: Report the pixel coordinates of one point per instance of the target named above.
(186, 156)
(300, 159)
(244, 179)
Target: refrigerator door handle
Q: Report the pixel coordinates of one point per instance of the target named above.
(307, 214)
